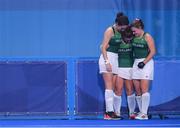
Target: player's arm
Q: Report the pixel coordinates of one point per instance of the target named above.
(105, 44)
(152, 49)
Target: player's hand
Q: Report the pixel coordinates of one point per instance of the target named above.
(141, 65)
(108, 67)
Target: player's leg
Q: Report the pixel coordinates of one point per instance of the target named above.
(130, 98)
(117, 95)
(145, 100)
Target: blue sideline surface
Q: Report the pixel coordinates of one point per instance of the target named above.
(89, 123)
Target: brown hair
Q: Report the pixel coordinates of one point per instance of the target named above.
(127, 34)
(137, 23)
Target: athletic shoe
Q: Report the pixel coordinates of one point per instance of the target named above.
(111, 116)
(142, 116)
(132, 116)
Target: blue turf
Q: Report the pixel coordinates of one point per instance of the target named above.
(88, 123)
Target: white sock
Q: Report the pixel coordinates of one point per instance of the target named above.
(131, 103)
(145, 102)
(109, 98)
(117, 104)
(139, 102)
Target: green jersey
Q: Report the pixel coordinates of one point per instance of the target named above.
(140, 47)
(114, 42)
(125, 55)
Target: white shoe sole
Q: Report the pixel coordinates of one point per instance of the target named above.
(139, 118)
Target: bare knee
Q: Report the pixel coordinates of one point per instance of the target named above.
(129, 91)
(118, 92)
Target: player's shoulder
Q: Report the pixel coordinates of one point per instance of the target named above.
(109, 30)
(147, 35)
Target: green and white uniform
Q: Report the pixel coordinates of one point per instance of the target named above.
(140, 52)
(111, 53)
(125, 60)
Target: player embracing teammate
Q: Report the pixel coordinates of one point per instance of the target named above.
(126, 59)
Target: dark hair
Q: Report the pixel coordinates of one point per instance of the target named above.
(127, 34)
(118, 15)
(137, 23)
(122, 20)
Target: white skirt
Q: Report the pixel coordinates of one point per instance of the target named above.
(125, 73)
(113, 59)
(146, 73)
